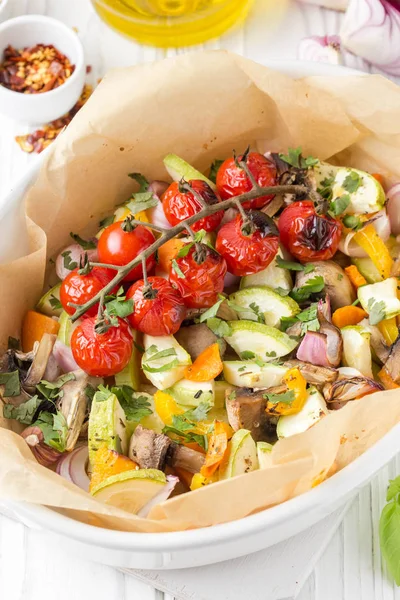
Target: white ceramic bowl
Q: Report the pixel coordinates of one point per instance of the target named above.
(5, 10)
(29, 30)
(207, 545)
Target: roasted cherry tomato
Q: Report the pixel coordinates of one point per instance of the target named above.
(306, 235)
(79, 289)
(102, 354)
(159, 308)
(121, 242)
(179, 205)
(248, 247)
(204, 271)
(233, 181)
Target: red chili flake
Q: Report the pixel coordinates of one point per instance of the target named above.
(38, 140)
(34, 70)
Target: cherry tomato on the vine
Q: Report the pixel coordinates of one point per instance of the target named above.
(102, 354)
(120, 243)
(79, 289)
(158, 308)
(179, 204)
(204, 271)
(307, 235)
(248, 247)
(232, 180)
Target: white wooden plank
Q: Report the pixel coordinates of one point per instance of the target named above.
(329, 569)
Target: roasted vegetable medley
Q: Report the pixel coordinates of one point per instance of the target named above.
(207, 319)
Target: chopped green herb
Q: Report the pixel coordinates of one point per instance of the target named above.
(339, 205)
(118, 306)
(68, 263)
(214, 169)
(106, 221)
(25, 412)
(270, 354)
(307, 317)
(55, 302)
(53, 389)
(312, 286)
(141, 201)
(141, 180)
(85, 244)
(184, 251)
(286, 397)
(90, 392)
(103, 393)
(376, 311)
(219, 327)
(184, 425)
(177, 270)
(242, 368)
(293, 266)
(295, 159)
(54, 428)
(352, 222)
(247, 355)
(232, 395)
(212, 311)
(200, 235)
(162, 368)
(134, 405)
(340, 276)
(12, 386)
(352, 182)
(162, 354)
(257, 311)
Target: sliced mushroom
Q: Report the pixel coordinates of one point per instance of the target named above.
(148, 448)
(185, 458)
(39, 364)
(196, 338)
(313, 374)
(392, 364)
(74, 403)
(337, 283)
(350, 388)
(247, 411)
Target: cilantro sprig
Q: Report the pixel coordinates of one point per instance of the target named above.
(312, 286)
(295, 158)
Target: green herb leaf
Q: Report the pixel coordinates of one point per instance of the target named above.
(352, 182)
(106, 221)
(393, 489)
(23, 413)
(293, 266)
(54, 428)
(135, 405)
(141, 201)
(376, 311)
(85, 244)
(55, 302)
(162, 368)
(118, 306)
(219, 327)
(339, 205)
(200, 235)
(281, 291)
(68, 263)
(162, 354)
(286, 397)
(340, 276)
(270, 354)
(232, 395)
(295, 159)
(184, 424)
(352, 222)
(53, 390)
(12, 386)
(211, 312)
(214, 169)
(247, 355)
(312, 286)
(257, 311)
(141, 180)
(184, 251)
(103, 393)
(389, 530)
(90, 392)
(177, 269)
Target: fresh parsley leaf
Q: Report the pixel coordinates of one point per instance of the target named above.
(328, 181)
(85, 244)
(214, 169)
(339, 205)
(247, 355)
(177, 269)
(54, 428)
(184, 251)
(161, 368)
(103, 393)
(118, 306)
(187, 436)
(162, 354)
(106, 221)
(12, 386)
(141, 180)
(68, 263)
(295, 159)
(136, 406)
(53, 390)
(90, 392)
(24, 413)
(141, 201)
(219, 327)
(389, 530)
(197, 414)
(242, 369)
(352, 222)
(352, 182)
(325, 189)
(55, 302)
(286, 397)
(270, 354)
(312, 286)
(184, 425)
(257, 311)
(376, 311)
(293, 266)
(307, 317)
(211, 312)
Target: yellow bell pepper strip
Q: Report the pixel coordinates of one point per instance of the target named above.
(348, 315)
(296, 383)
(208, 365)
(166, 407)
(371, 243)
(389, 330)
(355, 276)
(386, 380)
(217, 448)
(199, 481)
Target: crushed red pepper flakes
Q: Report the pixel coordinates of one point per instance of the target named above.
(38, 140)
(35, 69)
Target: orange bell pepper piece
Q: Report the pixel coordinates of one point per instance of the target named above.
(167, 252)
(348, 315)
(207, 365)
(108, 462)
(376, 249)
(355, 276)
(295, 382)
(34, 326)
(389, 330)
(217, 448)
(386, 380)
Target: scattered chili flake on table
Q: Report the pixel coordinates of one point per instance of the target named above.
(38, 140)
(34, 70)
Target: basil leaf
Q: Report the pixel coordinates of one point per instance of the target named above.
(85, 244)
(389, 536)
(12, 386)
(24, 413)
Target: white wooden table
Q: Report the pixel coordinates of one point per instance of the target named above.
(350, 568)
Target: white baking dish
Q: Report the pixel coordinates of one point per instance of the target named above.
(208, 545)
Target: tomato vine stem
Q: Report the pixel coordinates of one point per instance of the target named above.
(169, 234)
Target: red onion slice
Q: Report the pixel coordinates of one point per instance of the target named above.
(158, 187)
(63, 357)
(76, 253)
(157, 216)
(162, 495)
(324, 49)
(313, 349)
(72, 467)
(393, 208)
